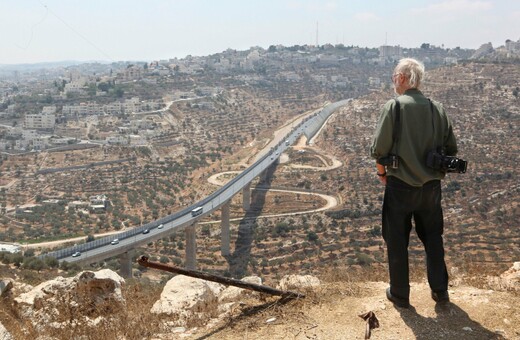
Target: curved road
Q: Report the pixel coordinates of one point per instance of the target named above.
(101, 249)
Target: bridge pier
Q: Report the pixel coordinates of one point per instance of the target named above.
(191, 247)
(246, 196)
(262, 178)
(125, 263)
(224, 230)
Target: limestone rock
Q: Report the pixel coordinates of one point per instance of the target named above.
(292, 282)
(87, 295)
(5, 286)
(233, 294)
(508, 280)
(188, 301)
(4, 334)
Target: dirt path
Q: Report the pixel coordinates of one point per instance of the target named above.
(52, 244)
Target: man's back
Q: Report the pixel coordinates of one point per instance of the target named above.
(421, 130)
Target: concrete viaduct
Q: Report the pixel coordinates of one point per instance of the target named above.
(186, 219)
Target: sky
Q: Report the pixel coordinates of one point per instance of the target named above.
(33, 31)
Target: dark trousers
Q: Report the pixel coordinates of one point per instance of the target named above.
(401, 203)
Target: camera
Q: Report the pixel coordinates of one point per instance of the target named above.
(437, 160)
(391, 161)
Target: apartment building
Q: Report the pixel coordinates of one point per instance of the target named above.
(40, 121)
(390, 52)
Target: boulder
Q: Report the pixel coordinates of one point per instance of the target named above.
(233, 294)
(188, 301)
(295, 282)
(5, 286)
(508, 280)
(4, 334)
(86, 295)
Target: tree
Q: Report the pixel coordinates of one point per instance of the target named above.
(29, 252)
(33, 263)
(312, 236)
(119, 92)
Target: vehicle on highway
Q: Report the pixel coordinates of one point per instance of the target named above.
(160, 226)
(146, 231)
(76, 254)
(115, 241)
(196, 212)
(287, 142)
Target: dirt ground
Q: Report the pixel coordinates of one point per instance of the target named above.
(333, 312)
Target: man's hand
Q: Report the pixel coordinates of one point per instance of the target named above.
(381, 173)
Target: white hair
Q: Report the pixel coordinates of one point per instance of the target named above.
(412, 69)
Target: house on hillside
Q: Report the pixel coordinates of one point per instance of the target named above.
(98, 203)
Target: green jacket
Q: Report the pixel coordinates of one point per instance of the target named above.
(416, 137)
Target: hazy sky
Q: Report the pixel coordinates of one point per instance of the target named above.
(113, 30)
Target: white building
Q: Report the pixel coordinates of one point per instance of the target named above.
(74, 87)
(390, 52)
(49, 109)
(11, 248)
(119, 140)
(513, 46)
(40, 121)
(450, 61)
(137, 140)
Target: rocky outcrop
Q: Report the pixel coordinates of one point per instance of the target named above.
(509, 280)
(295, 282)
(192, 302)
(4, 334)
(188, 301)
(88, 294)
(233, 294)
(5, 286)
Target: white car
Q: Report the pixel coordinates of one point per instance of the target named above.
(76, 254)
(160, 226)
(115, 241)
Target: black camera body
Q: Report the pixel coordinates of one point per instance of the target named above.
(391, 161)
(437, 160)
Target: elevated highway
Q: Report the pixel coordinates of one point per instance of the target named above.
(103, 248)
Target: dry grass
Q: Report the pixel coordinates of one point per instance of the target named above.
(134, 320)
(101, 322)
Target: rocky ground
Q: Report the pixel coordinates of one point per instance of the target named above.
(101, 305)
(333, 313)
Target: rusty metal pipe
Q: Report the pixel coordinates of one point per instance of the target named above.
(143, 261)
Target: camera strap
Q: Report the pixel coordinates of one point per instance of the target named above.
(397, 125)
(433, 124)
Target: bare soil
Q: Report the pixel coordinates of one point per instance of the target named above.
(333, 312)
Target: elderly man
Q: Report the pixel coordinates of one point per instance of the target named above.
(412, 189)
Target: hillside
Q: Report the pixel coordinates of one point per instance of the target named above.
(343, 247)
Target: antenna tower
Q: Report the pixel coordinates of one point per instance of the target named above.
(317, 34)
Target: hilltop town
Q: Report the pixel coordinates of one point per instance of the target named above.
(93, 149)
